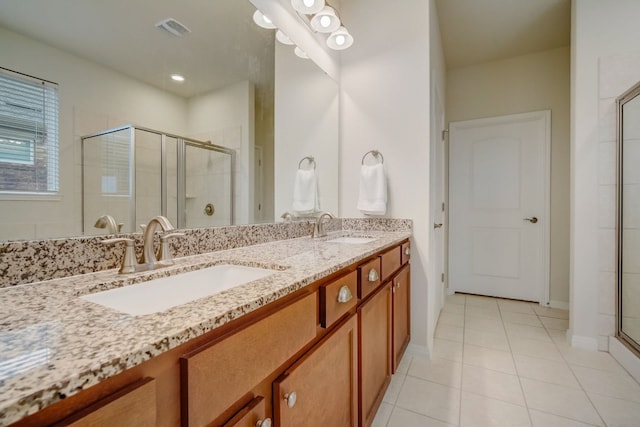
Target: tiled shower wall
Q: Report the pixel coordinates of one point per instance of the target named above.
(616, 75)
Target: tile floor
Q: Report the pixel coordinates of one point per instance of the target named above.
(506, 363)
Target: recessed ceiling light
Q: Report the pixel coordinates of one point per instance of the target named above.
(177, 78)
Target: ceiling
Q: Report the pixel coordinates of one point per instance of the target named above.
(225, 46)
(477, 31)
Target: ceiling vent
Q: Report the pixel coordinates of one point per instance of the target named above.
(174, 27)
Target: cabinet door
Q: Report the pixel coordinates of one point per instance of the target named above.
(252, 415)
(321, 388)
(374, 328)
(133, 406)
(401, 314)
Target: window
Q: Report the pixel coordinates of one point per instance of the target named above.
(28, 134)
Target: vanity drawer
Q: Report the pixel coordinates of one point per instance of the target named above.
(337, 298)
(390, 261)
(369, 277)
(255, 351)
(406, 253)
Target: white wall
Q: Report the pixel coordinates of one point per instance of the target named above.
(601, 35)
(312, 132)
(385, 92)
(538, 81)
(88, 96)
(227, 117)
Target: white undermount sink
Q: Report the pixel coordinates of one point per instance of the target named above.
(352, 240)
(161, 294)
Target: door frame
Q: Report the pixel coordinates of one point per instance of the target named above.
(494, 120)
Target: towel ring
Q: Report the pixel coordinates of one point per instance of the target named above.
(374, 153)
(310, 159)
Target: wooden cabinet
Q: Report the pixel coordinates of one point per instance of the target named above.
(337, 298)
(216, 376)
(133, 406)
(368, 277)
(374, 328)
(390, 262)
(320, 389)
(405, 255)
(401, 313)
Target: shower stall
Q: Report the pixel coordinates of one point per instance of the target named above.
(133, 173)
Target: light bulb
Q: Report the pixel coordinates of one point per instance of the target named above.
(308, 3)
(177, 77)
(340, 40)
(325, 21)
(266, 19)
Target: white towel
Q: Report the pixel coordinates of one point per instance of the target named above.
(305, 192)
(373, 190)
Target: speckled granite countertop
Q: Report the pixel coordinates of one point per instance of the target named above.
(54, 344)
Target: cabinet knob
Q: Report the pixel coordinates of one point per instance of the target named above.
(373, 275)
(291, 399)
(264, 423)
(344, 294)
(407, 250)
(398, 285)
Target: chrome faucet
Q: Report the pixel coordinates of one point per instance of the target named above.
(286, 216)
(150, 260)
(318, 229)
(109, 223)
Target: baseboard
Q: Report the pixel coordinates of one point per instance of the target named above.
(418, 350)
(587, 343)
(625, 357)
(559, 304)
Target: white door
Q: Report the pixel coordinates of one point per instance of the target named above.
(499, 206)
(437, 199)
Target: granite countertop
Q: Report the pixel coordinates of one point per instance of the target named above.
(54, 344)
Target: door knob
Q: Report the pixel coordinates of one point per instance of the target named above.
(437, 225)
(532, 220)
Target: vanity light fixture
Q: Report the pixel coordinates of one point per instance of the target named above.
(177, 78)
(262, 20)
(307, 7)
(325, 21)
(283, 38)
(340, 39)
(300, 53)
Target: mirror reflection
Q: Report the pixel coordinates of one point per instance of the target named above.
(112, 63)
(629, 217)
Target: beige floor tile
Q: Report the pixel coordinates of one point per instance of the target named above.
(553, 323)
(405, 362)
(483, 324)
(493, 384)
(403, 418)
(590, 359)
(488, 358)
(613, 384)
(446, 349)
(559, 337)
(453, 308)
(559, 400)
(487, 313)
(617, 412)
(516, 330)
(535, 348)
(515, 307)
(551, 312)
(522, 318)
(391, 395)
(545, 370)
(481, 411)
(456, 299)
(542, 419)
(494, 340)
(455, 319)
(441, 371)
(480, 301)
(430, 399)
(449, 332)
(382, 416)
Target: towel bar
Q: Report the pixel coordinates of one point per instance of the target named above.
(310, 159)
(375, 153)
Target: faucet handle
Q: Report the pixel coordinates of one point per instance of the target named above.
(129, 260)
(164, 254)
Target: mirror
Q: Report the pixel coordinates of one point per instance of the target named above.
(628, 310)
(113, 67)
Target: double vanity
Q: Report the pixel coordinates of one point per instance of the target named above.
(294, 332)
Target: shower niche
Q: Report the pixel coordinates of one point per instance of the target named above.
(131, 174)
(628, 295)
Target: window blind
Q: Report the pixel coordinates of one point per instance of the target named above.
(28, 134)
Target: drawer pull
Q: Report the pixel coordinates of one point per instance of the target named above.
(398, 285)
(344, 294)
(407, 251)
(373, 275)
(264, 423)
(291, 399)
